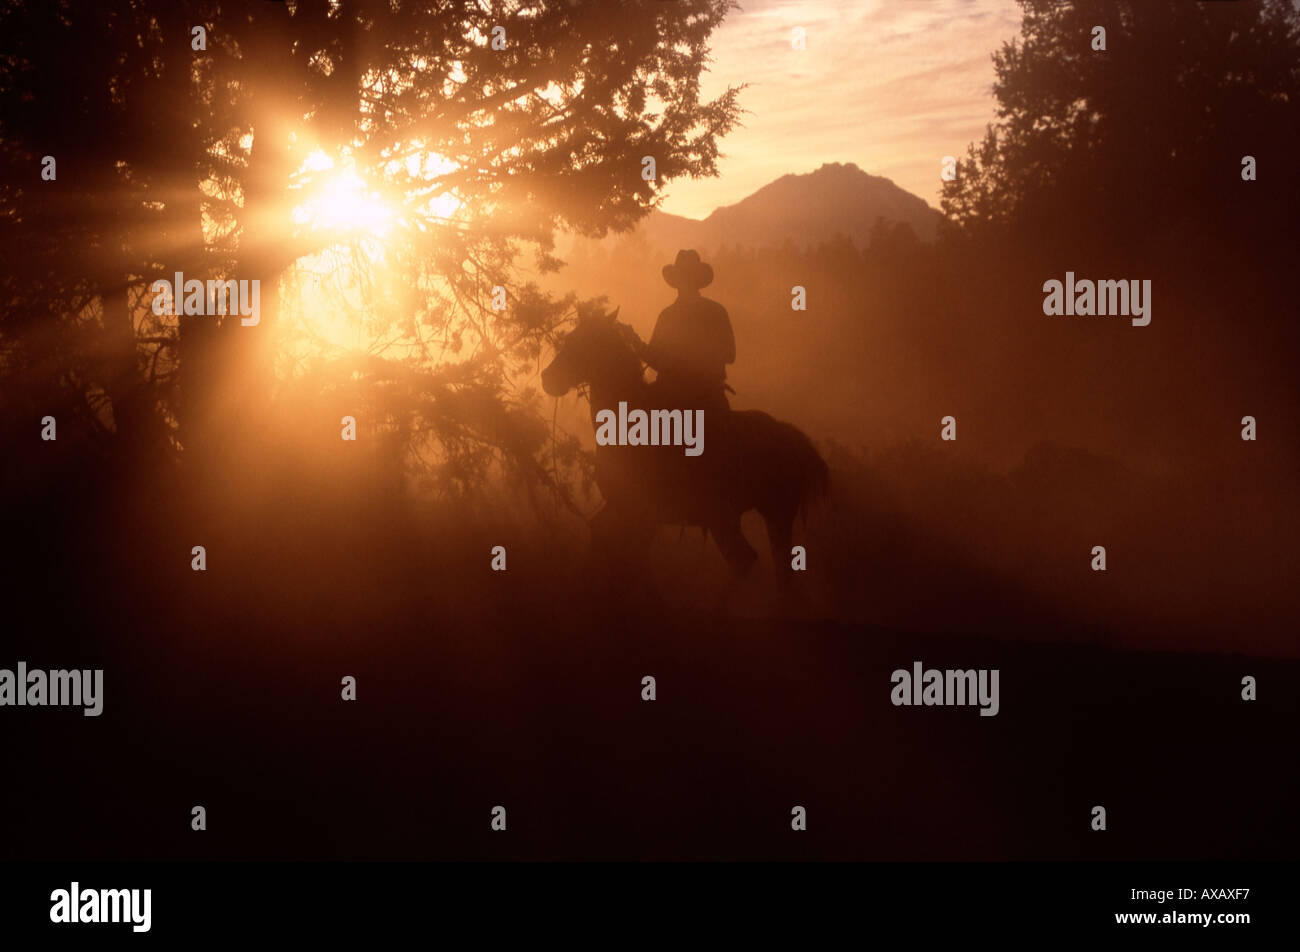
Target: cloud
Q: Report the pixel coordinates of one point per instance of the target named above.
(892, 85)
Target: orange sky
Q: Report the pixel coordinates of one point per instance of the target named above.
(891, 85)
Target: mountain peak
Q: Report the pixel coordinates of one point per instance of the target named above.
(830, 168)
(838, 198)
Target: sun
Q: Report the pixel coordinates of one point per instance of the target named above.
(339, 200)
(338, 293)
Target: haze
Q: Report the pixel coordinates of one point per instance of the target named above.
(891, 86)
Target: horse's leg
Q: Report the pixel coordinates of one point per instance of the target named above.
(740, 557)
(780, 533)
(602, 565)
(733, 545)
(641, 586)
(593, 574)
(618, 560)
(601, 530)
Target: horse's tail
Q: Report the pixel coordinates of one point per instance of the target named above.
(799, 477)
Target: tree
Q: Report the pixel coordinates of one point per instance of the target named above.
(1139, 143)
(175, 159)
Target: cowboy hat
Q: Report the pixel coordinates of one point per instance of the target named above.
(688, 271)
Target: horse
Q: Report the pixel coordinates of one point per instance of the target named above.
(752, 461)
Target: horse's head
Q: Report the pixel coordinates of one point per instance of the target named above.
(599, 349)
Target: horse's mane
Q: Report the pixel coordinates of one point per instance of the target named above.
(629, 335)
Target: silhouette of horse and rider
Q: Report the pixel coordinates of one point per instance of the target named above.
(752, 462)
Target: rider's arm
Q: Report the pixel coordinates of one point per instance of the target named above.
(653, 353)
(722, 339)
(728, 339)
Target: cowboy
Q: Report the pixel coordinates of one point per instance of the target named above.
(692, 341)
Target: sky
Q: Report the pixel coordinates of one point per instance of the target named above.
(890, 85)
